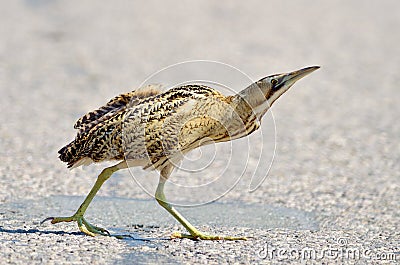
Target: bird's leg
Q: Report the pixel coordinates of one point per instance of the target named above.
(193, 232)
(84, 225)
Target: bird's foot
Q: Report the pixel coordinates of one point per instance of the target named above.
(83, 225)
(202, 236)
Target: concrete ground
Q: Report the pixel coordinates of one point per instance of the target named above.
(332, 194)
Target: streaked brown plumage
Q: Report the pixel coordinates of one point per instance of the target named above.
(102, 126)
(154, 128)
(148, 124)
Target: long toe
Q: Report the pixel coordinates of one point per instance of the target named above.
(83, 225)
(202, 236)
(90, 229)
(55, 220)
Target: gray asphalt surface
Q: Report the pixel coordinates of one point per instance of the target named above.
(334, 186)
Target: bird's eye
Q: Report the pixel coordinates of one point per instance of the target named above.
(274, 82)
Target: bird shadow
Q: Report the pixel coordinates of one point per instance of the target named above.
(37, 231)
(125, 237)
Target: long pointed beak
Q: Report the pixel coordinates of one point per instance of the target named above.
(296, 75)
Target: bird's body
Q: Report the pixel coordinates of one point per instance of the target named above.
(150, 127)
(154, 129)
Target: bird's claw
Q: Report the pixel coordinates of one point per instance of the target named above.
(47, 219)
(83, 225)
(201, 236)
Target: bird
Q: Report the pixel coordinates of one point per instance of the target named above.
(154, 129)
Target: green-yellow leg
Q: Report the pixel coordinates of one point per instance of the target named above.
(193, 232)
(84, 225)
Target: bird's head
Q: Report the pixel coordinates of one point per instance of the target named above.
(263, 93)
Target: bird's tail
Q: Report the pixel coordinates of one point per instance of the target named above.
(71, 155)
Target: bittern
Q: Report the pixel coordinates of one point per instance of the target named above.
(154, 129)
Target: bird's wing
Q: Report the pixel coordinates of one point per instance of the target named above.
(116, 104)
(171, 123)
(99, 132)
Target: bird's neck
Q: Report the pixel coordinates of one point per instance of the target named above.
(248, 101)
(239, 120)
